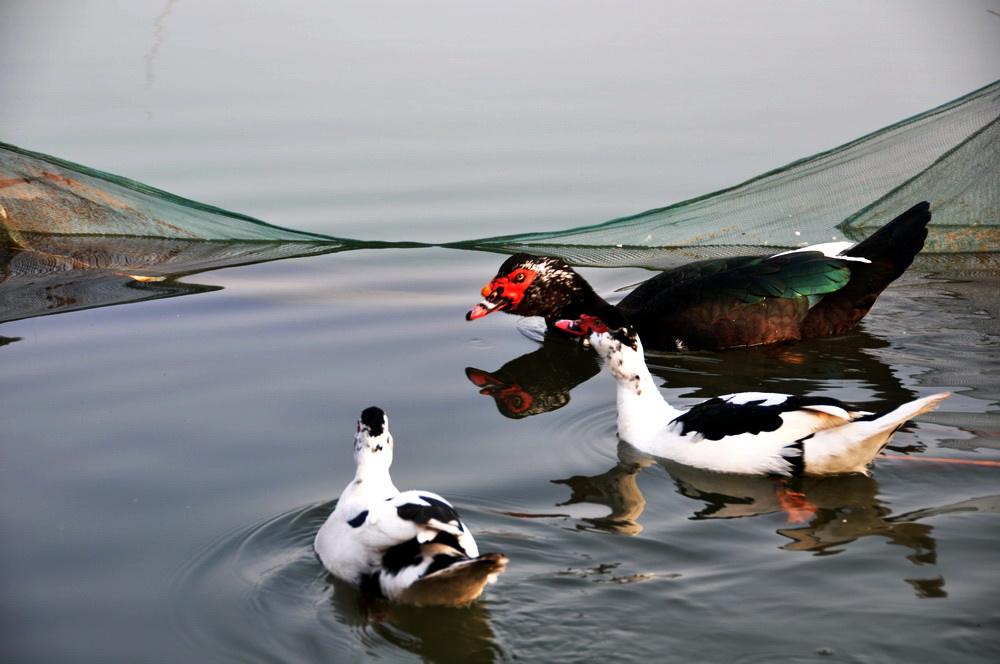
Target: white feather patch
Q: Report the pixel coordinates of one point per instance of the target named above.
(831, 249)
(445, 527)
(767, 398)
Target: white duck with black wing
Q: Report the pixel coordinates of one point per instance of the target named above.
(750, 432)
(409, 546)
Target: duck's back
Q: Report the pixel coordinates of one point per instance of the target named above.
(732, 302)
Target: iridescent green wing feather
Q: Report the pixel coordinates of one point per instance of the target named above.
(803, 274)
(748, 279)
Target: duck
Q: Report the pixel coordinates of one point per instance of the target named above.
(410, 547)
(748, 433)
(722, 303)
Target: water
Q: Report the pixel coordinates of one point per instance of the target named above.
(166, 463)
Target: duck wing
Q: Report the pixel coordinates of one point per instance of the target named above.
(417, 515)
(685, 274)
(779, 416)
(755, 432)
(434, 560)
(727, 303)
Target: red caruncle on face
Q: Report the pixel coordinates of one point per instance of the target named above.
(510, 287)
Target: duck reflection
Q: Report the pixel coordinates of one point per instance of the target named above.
(617, 489)
(434, 634)
(541, 381)
(824, 514)
(803, 368)
(537, 382)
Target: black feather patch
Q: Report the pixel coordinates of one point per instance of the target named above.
(373, 417)
(410, 553)
(371, 585)
(715, 419)
(402, 555)
(435, 509)
(798, 461)
(358, 520)
(448, 540)
(442, 561)
(512, 263)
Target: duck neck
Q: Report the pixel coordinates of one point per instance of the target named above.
(372, 477)
(587, 301)
(571, 301)
(642, 410)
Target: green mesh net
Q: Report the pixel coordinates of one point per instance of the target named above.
(61, 273)
(949, 156)
(75, 238)
(43, 194)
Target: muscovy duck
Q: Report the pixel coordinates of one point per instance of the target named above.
(410, 546)
(756, 433)
(714, 304)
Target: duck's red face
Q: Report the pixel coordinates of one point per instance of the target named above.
(512, 399)
(506, 291)
(585, 326)
(528, 285)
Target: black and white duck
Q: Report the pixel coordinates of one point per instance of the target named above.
(757, 433)
(411, 546)
(715, 304)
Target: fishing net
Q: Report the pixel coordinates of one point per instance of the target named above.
(47, 195)
(949, 156)
(73, 238)
(61, 273)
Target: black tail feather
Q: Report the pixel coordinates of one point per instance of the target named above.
(898, 242)
(890, 250)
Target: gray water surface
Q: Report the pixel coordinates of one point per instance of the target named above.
(167, 464)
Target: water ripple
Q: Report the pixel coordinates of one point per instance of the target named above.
(260, 594)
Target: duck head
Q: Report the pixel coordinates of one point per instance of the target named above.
(610, 334)
(512, 400)
(533, 286)
(372, 441)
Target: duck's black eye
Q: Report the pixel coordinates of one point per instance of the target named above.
(519, 277)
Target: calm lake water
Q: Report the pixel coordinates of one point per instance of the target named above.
(165, 464)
